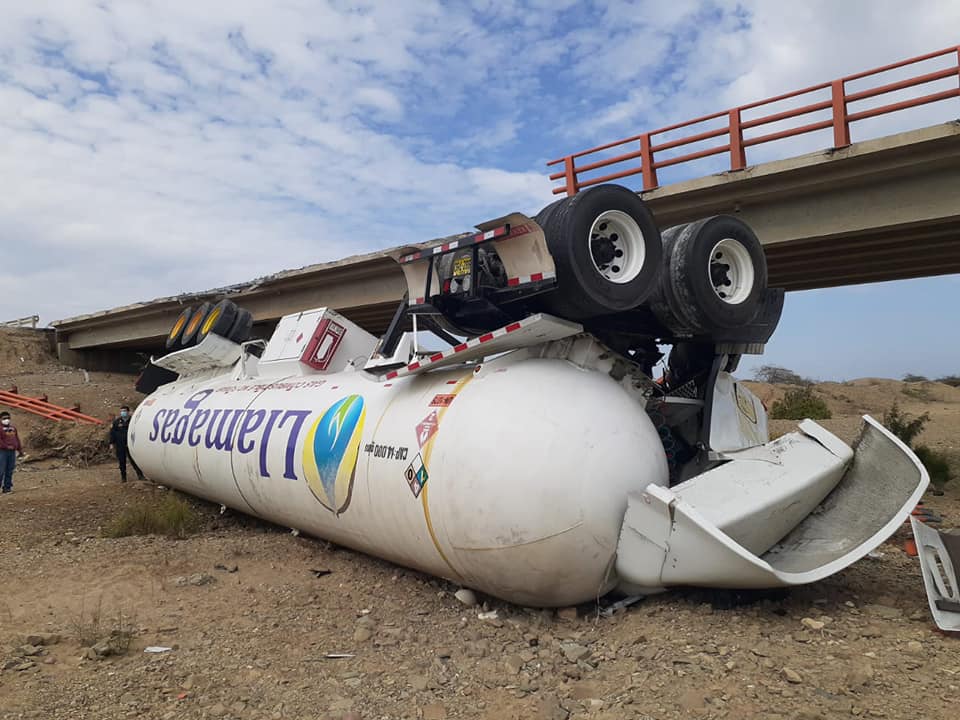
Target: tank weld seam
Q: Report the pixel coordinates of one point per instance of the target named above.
(426, 453)
(373, 438)
(233, 469)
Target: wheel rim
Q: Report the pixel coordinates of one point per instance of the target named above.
(617, 247)
(178, 326)
(731, 273)
(194, 324)
(211, 319)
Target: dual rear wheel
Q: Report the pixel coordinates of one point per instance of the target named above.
(607, 251)
(698, 278)
(713, 279)
(223, 318)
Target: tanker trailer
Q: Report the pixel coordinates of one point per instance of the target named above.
(537, 460)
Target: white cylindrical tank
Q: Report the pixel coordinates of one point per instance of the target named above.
(510, 477)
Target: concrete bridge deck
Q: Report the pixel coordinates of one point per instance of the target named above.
(886, 209)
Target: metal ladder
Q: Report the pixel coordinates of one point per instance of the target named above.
(40, 406)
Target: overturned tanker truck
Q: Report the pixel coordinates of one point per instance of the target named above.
(540, 457)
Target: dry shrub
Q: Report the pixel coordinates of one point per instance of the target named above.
(81, 445)
(115, 631)
(776, 375)
(169, 515)
(907, 428)
(800, 404)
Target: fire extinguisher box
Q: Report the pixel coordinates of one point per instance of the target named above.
(315, 341)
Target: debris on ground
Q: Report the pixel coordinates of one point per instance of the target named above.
(466, 596)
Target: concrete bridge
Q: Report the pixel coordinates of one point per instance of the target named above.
(883, 209)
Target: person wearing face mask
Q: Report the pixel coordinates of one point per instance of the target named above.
(118, 438)
(10, 449)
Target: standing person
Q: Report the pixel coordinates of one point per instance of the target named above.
(10, 449)
(118, 438)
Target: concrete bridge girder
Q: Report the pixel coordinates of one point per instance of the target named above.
(880, 210)
(364, 296)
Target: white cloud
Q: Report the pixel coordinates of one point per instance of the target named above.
(381, 101)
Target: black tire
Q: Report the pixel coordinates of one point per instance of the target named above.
(192, 328)
(663, 302)
(176, 332)
(219, 320)
(242, 326)
(700, 288)
(543, 217)
(582, 291)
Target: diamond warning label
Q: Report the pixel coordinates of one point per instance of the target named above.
(426, 428)
(416, 475)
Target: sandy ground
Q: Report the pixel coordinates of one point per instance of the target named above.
(251, 623)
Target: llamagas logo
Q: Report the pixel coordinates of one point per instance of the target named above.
(330, 453)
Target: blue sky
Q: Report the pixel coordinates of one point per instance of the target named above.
(877, 330)
(151, 148)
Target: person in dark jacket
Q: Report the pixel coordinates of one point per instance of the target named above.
(10, 450)
(118, 438)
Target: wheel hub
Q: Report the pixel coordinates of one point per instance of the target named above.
(617, 247)
(731, 271)
(719, 273)
(603, 249)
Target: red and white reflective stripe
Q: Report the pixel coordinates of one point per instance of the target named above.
(446, 247)
(536, 277)
(485, 338)
(417, 301)
(492, 234)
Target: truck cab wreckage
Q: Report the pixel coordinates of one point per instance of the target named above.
(537, 458)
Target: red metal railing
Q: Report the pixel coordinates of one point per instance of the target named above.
(40, 406)
(840, 119)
